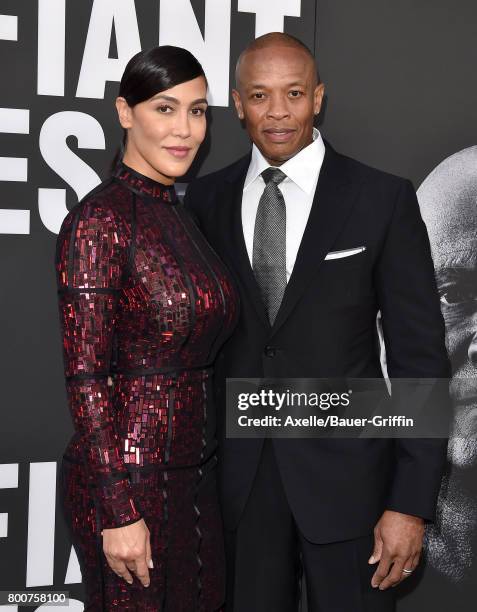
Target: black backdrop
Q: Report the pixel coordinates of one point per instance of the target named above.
(401, 95)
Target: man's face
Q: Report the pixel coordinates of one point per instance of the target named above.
(278, 97)
(448, 200)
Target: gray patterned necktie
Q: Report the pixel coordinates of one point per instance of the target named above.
(269, 242)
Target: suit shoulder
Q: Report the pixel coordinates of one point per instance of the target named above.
(219, 176)
(373, 176)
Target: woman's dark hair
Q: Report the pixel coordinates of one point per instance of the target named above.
(150, 72)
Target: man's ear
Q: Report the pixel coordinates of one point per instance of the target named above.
(318, 98)
(238, 104)
(124, 112)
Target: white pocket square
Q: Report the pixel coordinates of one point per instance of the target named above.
(345, 252)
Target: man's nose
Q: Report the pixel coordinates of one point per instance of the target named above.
(472, 351)
(278, 108)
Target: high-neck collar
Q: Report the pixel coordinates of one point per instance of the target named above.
(144, 185)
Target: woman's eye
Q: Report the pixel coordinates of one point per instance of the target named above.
(198, 112)
(164, 109)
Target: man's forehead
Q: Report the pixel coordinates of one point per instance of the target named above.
(448, 256)
(454, 217)
(291, 79)
(448, 196)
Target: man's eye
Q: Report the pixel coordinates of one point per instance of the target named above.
(457, 295)
(295, 93)
(258, 96)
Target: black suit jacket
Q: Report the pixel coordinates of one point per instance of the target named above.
(326, 327)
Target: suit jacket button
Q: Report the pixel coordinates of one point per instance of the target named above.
(270, 351)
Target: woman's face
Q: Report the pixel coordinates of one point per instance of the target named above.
(165, 132)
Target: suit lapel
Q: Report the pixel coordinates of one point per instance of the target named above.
(236, 248)
(332, 204)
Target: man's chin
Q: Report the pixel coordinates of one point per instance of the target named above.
(278, 156)
(449, 542)
(279, 153)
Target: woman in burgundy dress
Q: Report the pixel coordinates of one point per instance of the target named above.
(144, 306)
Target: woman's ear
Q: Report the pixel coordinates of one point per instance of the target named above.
(124, 112)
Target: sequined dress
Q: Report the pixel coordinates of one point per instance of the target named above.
(144, 307)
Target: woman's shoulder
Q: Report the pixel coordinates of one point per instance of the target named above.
(94, 239)
(107, 204)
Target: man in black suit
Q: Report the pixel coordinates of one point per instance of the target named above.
(318, 243)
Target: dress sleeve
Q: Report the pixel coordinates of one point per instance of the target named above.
(90, 257)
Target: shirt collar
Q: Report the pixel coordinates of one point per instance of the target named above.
(302, 168)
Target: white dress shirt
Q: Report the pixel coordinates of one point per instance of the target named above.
(298, 189)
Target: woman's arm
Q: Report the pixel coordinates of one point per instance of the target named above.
(90, 256)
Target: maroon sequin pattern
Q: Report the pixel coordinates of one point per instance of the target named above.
(145, 305)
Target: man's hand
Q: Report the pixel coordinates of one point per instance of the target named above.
(397, 546)
(127, 550)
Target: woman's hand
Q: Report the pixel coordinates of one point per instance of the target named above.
(128, 549)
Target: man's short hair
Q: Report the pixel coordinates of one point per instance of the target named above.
(268, 40)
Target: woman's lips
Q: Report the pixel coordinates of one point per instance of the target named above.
(178, 152)
(279, 134)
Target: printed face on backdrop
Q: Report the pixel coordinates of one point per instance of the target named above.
(278, 96)
(448, 202)
(165, 132)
